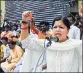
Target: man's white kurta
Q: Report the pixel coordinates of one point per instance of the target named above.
(60, 57)
(74, 32)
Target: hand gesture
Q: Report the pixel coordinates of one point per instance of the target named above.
(27, 16)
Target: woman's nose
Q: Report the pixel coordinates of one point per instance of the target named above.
(57, 29)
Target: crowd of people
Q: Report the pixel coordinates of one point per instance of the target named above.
(30, 48)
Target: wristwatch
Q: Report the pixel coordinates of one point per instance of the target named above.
(25, 23)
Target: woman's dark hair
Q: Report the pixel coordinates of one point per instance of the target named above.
(64, 19)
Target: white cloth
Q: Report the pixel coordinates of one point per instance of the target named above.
(60, 57)
(6, 51)
(65, 57)
(32, 35)
(74, 32)
(32, 52)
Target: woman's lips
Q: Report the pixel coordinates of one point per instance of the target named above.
(57, 34)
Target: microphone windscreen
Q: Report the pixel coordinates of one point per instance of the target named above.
(55, 39)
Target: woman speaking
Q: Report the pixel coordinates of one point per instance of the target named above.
(62, 56)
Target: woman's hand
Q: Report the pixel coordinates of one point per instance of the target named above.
(26, 21)
(27, 16)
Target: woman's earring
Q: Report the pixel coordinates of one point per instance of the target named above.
(67, 37)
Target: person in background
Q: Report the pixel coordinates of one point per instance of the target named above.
(62, 56)
(18, 34)
(6, 49)
(43, 30)
(1, 50)
(14, 29)
(7, 33)
(16, 53)
(74, 32)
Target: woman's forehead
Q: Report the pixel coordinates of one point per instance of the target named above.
(60, 22)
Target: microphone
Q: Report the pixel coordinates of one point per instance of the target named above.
(55, 39)
(50, 39)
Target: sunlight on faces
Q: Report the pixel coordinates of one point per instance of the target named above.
(60, 30)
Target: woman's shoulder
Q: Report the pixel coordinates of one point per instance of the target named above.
(75, 41)
(66, 45)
